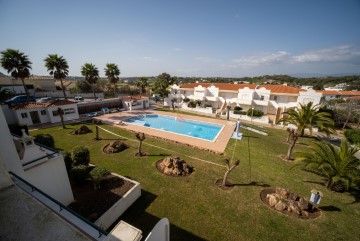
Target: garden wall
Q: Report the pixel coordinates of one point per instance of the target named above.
(111, 215)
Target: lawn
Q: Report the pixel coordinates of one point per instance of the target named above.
(198, 210)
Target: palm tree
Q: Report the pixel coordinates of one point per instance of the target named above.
(58, 67)
(142, 84)
(141, 138)
(17, 64)
(112, 72)
(229, 169)
(307, 116)
(338, 165)
(60, 112)
(91, 74)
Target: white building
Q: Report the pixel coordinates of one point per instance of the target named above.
(273, 100)
(136, 102)
(36, 113)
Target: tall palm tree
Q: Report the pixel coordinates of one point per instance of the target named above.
(58, 67)
(308, 116)
(334, 163)
(142, 84)
(91, 74)
(17, 64)
(112, 72)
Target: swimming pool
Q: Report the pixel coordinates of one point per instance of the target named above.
(178, 125)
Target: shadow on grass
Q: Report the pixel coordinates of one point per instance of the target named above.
(254, 137)
(258, 184)
(356, 194)
(161, 154)
(137, 216)
(330, 209)
(314, 182)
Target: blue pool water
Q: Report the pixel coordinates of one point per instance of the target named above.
(178, 125)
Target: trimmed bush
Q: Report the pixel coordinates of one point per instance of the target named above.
(192, 104)
(186, 99)
(254, 113)
(45, 140)
(79, 174)
(353, 136)
(97, 175)
(198, 102)
(68, 160)
(207, 105)
(81, 155)
(238, 110)
(16, 128)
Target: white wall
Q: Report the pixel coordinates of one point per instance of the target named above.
(309, 96)
(8, 153)
(51, 177)
(70, 116)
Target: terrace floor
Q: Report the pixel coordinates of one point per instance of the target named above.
(218, 145)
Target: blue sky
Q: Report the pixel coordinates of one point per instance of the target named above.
(188, 37)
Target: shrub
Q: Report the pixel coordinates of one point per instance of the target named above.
(186, 99)
(16, 128)
(68, 160)
(238, 110)
(79, 174)
(97, 175)
(353, 136)
(254, 113)
(45, 140)
(198, 102)
(81, 155)
(207, 105)
(192, 104)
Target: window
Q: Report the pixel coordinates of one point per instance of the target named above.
(55, 113)
(43, 112)
(262, 97)
(24, 115)
(69, 111)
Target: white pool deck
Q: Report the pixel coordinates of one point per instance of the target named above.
(218, 145)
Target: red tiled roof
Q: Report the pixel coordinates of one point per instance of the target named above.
(58, 103)
(32, 105)
(339, 92)
(29, 105)
(137, 97)
(236, 87)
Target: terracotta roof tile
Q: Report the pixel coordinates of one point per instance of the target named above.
(338, 92)
(236, 87)
(33, 105)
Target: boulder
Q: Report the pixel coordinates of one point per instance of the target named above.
(175, 166)
(303, 204)
(272, 200)
(281, 205)
(294, 207)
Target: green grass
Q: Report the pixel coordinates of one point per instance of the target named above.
(198, 210)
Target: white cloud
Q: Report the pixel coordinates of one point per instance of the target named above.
(343, 53)
(337, 54)
(265, 58)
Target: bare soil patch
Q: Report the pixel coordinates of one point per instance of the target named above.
(228, 186)
(91, 203)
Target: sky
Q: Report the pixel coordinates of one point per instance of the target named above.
(202, 38)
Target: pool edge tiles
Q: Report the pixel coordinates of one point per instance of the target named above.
(138, 120)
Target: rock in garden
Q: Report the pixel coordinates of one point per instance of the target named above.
(175, 166)
(280, 206)
(303, 204)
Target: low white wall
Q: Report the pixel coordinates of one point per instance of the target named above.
(113, 213)
(51, 177)
(60, 94)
